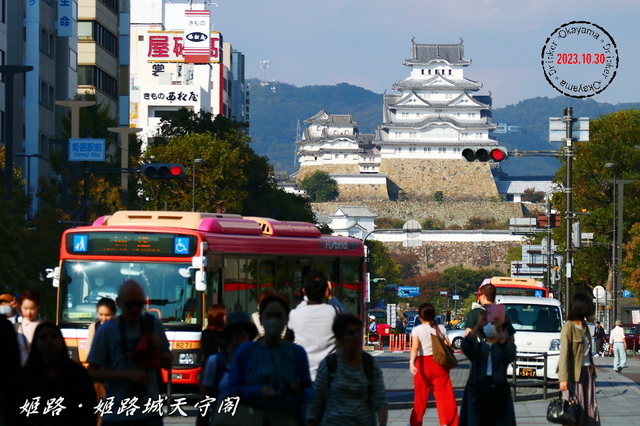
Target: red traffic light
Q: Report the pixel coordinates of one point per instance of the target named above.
(163, 171)
(484, 154)
(498, 154)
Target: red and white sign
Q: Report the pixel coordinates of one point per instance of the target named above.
(196, 36)
(169, 46)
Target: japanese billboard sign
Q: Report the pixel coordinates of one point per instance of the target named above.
(196, 34)
(66, 18)
(169, 46)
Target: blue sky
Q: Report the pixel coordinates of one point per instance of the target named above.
(364, 43)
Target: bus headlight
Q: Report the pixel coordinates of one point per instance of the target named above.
(187, 358)
(554, 345)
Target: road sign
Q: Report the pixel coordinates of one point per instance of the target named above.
(86, 149)
(455, 297)
(626, 293)
(558, 129)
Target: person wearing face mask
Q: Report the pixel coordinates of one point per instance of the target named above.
(486, 296)
(487, 395)
(271, 375)
(8, 307)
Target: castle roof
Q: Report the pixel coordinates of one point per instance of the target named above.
(444, 119)
(437, 82)
(425, 54)
(354, 211)
(336, 120)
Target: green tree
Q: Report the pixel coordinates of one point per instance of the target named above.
(381, 265)
(185, 122)
(320, 187)
(631, 264)
(612, 139)
(531, 195)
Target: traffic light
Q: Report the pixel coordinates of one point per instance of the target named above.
(163, 171)
(483, 154)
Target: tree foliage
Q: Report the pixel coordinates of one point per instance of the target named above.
(381, 265)
(612, 140)
(232, 178)
(320, 187)
(533, 196)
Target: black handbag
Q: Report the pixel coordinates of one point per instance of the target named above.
(564, 412)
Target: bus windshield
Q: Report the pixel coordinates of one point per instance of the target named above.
(170, 294)
(540, 318)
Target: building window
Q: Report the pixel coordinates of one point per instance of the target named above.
(47, 96)
(479, 135)
(449, 72)
(397, 134)
(442, 150)
(2, 59)
(47, 42)
(89, 75)
(111, 4)
(2, 126)
(3, 15)
(427, 150)
(95, 31)
(412, 134)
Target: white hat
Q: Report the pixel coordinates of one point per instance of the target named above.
(372, 317)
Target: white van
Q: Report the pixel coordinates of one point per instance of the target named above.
(538, 322)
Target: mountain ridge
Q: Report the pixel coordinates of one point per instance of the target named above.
(276, 108)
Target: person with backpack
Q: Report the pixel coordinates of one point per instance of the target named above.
(349, 388)
(126, 355)
(311, 321)
(238, 330)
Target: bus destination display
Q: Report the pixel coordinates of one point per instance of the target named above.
(131, 244)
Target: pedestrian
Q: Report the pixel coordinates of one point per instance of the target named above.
(372, 324)
(349, 388)
(30, 309)
(428, 375)
(618, 347)
(106, 309)
(487, 396)
(256, 315)
(270, 376)
(311, 321)
(126, 356)
(576, 369)
(211, 339)
(598, 334)
(486, 296)
(12, 310)
(57, 382)
(9, 369)
(239, 329)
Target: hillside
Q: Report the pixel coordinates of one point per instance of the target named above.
(276, 108)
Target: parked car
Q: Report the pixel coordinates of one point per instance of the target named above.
(415, 321)
(456, 334)
(631, 335)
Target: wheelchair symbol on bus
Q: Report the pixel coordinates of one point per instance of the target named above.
(181, 245)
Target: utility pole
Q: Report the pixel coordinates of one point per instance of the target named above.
(568, 120)
(124, 158)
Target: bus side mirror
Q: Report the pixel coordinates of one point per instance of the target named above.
(201, 280)
(54, 274)
(199, 263)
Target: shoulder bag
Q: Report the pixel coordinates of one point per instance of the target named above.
(442, 353)
(564, 412)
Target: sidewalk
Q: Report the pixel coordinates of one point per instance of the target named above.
(618, 394)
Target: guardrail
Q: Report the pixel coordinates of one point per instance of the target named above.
(514, 376)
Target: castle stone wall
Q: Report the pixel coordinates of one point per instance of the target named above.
(450, 213)
(420, 179)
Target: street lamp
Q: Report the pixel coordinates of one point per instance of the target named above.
(193, 185)
(28, 189)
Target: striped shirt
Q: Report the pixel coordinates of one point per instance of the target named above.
(348, 400)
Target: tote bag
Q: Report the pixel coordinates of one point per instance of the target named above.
(442, 354)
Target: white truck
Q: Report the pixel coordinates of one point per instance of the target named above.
(538, 322)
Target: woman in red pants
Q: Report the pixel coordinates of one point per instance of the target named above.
(427, 374)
